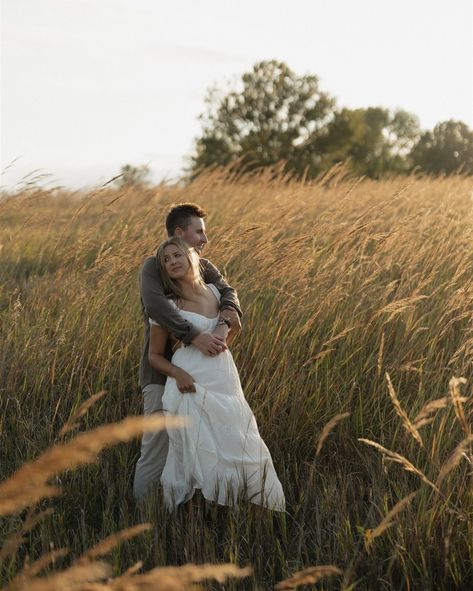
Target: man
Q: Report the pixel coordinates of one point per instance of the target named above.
(186, 221)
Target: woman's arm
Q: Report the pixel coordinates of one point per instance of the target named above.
(157, 345)
(222, 329)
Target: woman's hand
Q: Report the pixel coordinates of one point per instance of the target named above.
(184, 382)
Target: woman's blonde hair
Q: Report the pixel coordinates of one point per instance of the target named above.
(171, 287)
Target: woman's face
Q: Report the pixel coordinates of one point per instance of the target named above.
(175, 261)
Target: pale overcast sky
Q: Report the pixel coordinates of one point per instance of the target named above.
(89, 85)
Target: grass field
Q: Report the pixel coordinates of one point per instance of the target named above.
(357, 298)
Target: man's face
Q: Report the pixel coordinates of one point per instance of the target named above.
(194, 233)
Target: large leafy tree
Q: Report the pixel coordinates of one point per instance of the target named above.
(446, 149)
(275, 115)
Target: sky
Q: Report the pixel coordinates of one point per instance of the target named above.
(90, 85)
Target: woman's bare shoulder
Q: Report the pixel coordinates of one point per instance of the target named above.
(214, 290)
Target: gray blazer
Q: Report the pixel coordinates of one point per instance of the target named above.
(155, 305)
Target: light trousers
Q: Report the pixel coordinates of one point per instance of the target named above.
(154, 445)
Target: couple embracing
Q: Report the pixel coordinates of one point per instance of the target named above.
(191, 314)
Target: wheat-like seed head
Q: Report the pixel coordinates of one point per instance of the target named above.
(81, 411)
(388, 520)
(399, 459)
(454, 390)
(424, 417)
(107, 544)
(310, 575)
(328, 428)
(454, 459)
(410, 428)
(71, 579)
(11, 544)
(33, 569)
(29, 484)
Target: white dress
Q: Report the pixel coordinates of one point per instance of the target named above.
(220, 451)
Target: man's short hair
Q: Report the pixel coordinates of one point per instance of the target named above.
(179, 216)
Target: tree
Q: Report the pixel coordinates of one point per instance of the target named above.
(275, 116)
(375, 140)
(446, 149)
(133, 176)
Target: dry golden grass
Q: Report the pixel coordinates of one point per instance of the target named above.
(76, 577)
(387, 521)
(424, 416)
(328, 428)
(106, 545)
(310, 575)
(72, 423)
(458, 453)
(342, 281)
(30, 483)
(454, 387)
(11, 545)
(410, 427)
(96, 576)
(399, 459)
(86, 573)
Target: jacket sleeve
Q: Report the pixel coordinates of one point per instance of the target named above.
(158, 307)
(229, 298)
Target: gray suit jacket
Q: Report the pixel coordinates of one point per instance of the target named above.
(155, 305)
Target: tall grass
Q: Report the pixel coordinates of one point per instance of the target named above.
(357, 298)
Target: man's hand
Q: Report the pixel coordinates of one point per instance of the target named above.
(209, 344)
(232, 316)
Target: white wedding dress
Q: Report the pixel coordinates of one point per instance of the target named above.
(220, 451)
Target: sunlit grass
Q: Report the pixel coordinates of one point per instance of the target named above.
(341, 281)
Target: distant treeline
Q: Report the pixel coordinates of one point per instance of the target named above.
(277, 116)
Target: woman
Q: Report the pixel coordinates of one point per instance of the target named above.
(220, 451)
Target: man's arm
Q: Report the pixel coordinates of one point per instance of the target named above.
(229, 298)
(158, 306)
(228, 295)
(161, 310)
